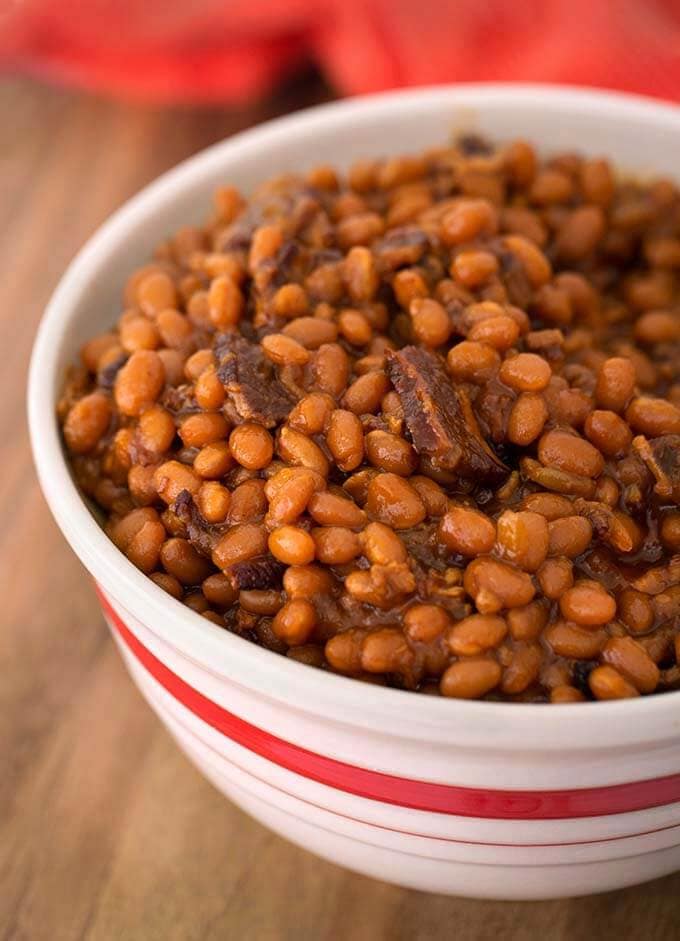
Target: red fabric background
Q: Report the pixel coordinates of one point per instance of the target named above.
(228, 50)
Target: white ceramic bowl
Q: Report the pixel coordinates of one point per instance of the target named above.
(470, 798)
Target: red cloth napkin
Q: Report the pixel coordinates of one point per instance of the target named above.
(232, 51)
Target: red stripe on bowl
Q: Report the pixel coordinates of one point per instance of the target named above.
(390, 789)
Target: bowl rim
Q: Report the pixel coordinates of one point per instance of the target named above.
(342, 699)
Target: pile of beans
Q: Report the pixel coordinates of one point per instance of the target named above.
(419, 425)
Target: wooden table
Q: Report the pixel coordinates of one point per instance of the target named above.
(106, 831)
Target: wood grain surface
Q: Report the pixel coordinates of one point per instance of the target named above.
(106, 831)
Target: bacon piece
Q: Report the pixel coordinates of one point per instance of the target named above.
(250, 380)
(439, 416)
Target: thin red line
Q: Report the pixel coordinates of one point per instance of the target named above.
(390, 789)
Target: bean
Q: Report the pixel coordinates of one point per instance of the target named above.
(311, 414)
(330, 509)
(365, 394)
(550, 186)
(138, 333)
(139, 382)
(226, 302)
(425, 623)
(536, 266)
(527, 418)
(248, 502)
(171, 478)
(554, 577)
(139, 535)
(473, 268)
(180, 559)
(407, 285)
(343, 651)
(266, 241)
(213, 501)
(289, 492)
(290, 301)
(470, 679)
(498, 332)
(570, 453)
(208, 390)
(615, 384)
(495, 585)
(390, 453)
(203, 428)
(527, 622)
(345, 439)
(569, 536)
(219, 590)
(382, 546)
(331, 369)
(522, 538)
(551, 505)
(657, 326)
(168, 583)
(360, 274)
(213, 460)
(385, 651)
(522, 670)
(588, 604)
(251, 445)
(335, 545)
(284, 350)
(467, 531)
(669, 531)
(580, 233)
(468, 219)
(392, 500)
(432, 495)
(240, 543)
(307, 581)
(635, 610)
(86, 423)
(633, 662)
(607, 683)
(570, 640)
(526, 372)
(653, 417)
(92, 351)
(140, 481)
(197, 363)
(295, 622)
(291, 545)
(174, 328)
(296, 448)
(311, 332)
(262, 601)
(597, 181)
(476, 634)
(155, 292)
(475, 362)
(608, 432)
(430, 321)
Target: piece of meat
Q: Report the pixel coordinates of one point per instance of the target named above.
(256, 574)
(401, 246)
(662, 457)
(548, 343)
(515, 279)
(203, 535)
(251, 382)
(606, 525)
(439, 416)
